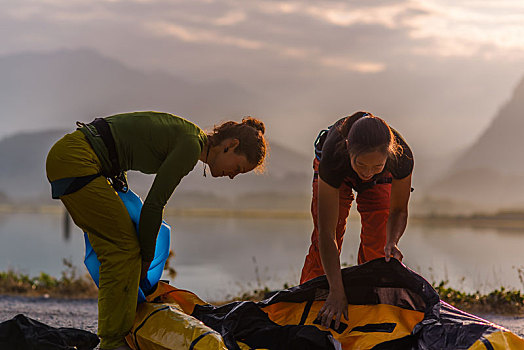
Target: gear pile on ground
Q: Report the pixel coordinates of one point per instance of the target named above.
(24, 333)
(390, 307)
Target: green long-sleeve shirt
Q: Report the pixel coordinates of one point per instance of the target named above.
(152, 143)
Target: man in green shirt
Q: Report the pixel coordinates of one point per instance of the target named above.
(79, 165)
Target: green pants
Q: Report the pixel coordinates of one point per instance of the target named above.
(97, 209)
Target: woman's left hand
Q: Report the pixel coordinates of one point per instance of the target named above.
(392, 251)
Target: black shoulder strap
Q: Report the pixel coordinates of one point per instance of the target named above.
(117, 176)
(102, 127)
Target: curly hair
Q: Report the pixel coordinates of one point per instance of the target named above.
(249, 133)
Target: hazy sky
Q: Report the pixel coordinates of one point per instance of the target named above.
(437, 69)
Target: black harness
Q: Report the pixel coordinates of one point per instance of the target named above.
(116, 177)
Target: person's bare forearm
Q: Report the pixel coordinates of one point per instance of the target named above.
(397, 222)
(335, 305)
(398, 212)
(327, 225)
(331, 264)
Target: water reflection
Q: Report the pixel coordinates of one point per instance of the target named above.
(3, 218)
(223, 256)
(67, 225)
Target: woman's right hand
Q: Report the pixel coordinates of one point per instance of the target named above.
(336, 303)
(335, 306)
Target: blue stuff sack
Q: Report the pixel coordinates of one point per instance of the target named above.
(133, 204)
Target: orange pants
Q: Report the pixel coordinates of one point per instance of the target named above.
(373, 206)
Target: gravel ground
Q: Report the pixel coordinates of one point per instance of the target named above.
(82, 314)
(513, 323)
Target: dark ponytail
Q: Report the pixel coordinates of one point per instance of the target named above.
(249, 133)
(363, 133)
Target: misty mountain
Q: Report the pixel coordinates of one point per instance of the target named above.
(501, 141)
(491, 171)
(287, 174)
(40, 91)
(22, 174)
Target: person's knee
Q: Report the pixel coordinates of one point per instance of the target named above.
(122, 259)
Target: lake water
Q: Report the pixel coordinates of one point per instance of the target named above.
(220, 257)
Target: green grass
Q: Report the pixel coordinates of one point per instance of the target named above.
(500, 301)
(69, 285)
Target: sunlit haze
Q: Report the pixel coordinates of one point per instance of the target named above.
(437, 70)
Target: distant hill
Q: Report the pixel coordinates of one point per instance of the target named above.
(22, 174)
(52, 90)
(500, 147)
(42, 91)
(287, 177)
(490, 173)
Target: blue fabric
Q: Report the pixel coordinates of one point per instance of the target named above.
(133, 204)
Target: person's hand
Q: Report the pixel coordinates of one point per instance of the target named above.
(392, 250)
(144, 269)
(336, 305)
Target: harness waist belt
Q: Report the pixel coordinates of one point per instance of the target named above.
(62, 187)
